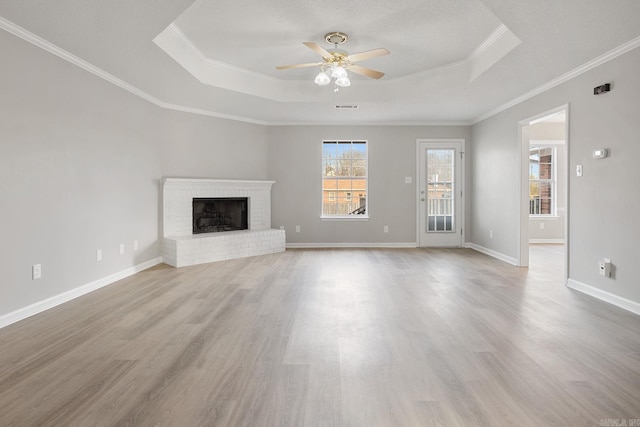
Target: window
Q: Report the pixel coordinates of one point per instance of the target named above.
(440, 188)
(542, 186)
(344, 173)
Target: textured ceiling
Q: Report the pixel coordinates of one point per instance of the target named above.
(451, 61)
(260, 35)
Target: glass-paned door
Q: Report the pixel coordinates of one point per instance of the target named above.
(440, 195)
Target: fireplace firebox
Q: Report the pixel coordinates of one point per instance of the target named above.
(212, 215)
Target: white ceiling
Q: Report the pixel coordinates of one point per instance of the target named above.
(450, 61)
(433, 33)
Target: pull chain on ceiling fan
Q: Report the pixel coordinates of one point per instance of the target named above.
(336, 62)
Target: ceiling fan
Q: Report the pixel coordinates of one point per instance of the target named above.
(336, 62)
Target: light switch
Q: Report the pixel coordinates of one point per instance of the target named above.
(600, 153)
(408, 180)
(36, 271)
(578, 170)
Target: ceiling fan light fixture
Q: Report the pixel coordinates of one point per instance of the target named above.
(343, 82)
(336, 62)
(322, 79)
(338, 72)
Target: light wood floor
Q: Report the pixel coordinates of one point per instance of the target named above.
(398, 337)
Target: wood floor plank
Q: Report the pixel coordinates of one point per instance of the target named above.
(328, 337)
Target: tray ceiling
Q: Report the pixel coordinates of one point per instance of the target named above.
(450, 62)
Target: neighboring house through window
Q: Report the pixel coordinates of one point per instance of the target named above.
(344, 178)
(542, 181)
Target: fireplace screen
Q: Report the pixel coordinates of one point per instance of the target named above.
(220, 214)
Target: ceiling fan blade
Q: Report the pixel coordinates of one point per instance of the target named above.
(308, 64)
(317, 49)
(368, 72)
(367, 55)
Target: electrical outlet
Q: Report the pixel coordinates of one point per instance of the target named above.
(491, 234)
(282, 227)
(99, 255)
(408, 180)
(542, 226)
(386, 228)
(135, 245)
(121, 248)
(605, 267)
(297, 228)
(36, 271)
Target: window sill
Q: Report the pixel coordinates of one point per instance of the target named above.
(544, 217)
(344, 218)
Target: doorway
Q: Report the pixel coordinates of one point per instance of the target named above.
(440, 193)
(544, 184)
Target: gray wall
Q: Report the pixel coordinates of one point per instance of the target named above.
(295, 164)
(80, 165)
(81, 161)
(604, 207)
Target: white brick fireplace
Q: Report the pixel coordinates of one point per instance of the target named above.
(180, 247)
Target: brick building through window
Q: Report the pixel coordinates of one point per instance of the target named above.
(542, 180)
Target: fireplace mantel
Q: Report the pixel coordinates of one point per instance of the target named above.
(180, 247)
(190, 183)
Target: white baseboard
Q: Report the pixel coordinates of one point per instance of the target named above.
(56, 300)
(492, 253)
(350, 245)
(547, 241)
(605, 296)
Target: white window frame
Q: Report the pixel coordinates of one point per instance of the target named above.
(362, 217)
(553, 181)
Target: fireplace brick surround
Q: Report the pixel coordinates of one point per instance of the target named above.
(180, 247)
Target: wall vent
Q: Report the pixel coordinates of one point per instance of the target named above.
(347, 107)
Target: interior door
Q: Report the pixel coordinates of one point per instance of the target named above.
(440, 191)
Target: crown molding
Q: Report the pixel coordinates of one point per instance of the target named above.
(486, 44)
(35, 40)
(606, 57)
(38, 41)
(370, 123)
(209, 113)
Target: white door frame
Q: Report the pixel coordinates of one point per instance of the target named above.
(523, 173)
(462, 184)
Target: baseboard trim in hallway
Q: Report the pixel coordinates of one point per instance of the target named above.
(492, 253)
